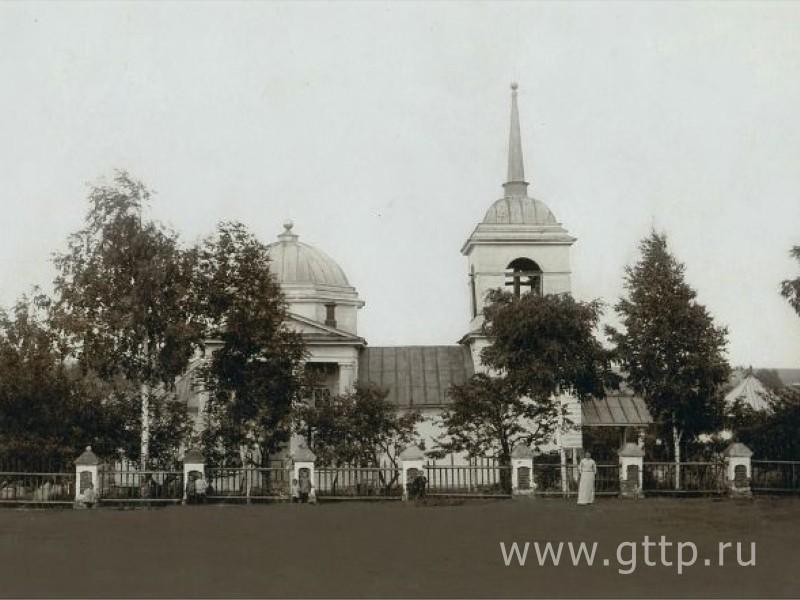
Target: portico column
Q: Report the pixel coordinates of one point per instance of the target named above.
(347, 377)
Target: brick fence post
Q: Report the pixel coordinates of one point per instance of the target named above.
(631, 467)
(193, 461)
(522, 483)
(87, 471)
(738, 469)
(412, 458)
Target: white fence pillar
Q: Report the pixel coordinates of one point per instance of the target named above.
(522, 482)
(631, 467)
(738, 469)
(193, 461)
(303, 465)
(87, 476)
(411, 459)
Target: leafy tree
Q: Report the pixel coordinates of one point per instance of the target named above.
(790, 288)
(254, 374)
(770, 434)
(770, 378)
(670, 349)
(546, 345)
(123, 296)
(48, 411)
(542, 347)
(360, 428)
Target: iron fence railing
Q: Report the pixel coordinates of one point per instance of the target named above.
(485, 480)
(548, 477)
(134, 486)
(248, 483)
(775, 476)
(374, 483)
(697, 478)
(37, 488)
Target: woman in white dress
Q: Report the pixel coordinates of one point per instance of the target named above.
(587, 470)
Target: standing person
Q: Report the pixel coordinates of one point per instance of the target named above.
(89, 496)
(304, 487)
(200, 486)
(294, 490)
(421, 484)
(191, 489)
(587, 470)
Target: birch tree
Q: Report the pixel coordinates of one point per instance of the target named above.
(123, 296)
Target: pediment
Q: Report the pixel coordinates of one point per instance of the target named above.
(319, 332)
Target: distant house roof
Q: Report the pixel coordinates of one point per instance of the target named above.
(752, 392)
(615, 410)
(416, 376)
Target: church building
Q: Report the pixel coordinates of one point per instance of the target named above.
(519, 245)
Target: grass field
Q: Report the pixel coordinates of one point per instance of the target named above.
(393, 550)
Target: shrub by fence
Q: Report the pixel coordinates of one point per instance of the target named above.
(134, 486)
(368, 483)
(696, 478)
(37, 488)
(775, 476)
(248, 483)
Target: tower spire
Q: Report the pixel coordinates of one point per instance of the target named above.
(516, 185)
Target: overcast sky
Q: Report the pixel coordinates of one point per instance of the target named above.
(382, 131)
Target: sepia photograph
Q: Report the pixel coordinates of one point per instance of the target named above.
(399, 299)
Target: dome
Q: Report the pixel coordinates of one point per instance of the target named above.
(519, 210)
(296, 262)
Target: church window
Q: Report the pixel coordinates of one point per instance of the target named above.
(330, 315)
(523, 276)
(320, 394)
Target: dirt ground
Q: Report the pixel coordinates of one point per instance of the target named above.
(359, 549)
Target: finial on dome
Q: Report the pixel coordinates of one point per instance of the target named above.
(515, 186)
(287, 231)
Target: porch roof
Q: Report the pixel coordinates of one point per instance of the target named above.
(615, 411)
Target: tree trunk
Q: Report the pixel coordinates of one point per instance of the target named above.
(676, 437)
(505, 468)
(145, 441)
(145, 391)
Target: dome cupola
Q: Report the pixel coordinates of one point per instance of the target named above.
(313, 284)
(294, 262)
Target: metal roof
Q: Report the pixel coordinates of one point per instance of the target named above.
(615, 411)
(416, 376)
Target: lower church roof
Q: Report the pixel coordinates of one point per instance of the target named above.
(416, 376)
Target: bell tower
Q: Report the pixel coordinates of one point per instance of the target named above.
(519, 246)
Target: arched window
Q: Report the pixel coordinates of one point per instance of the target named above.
(523, 276)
